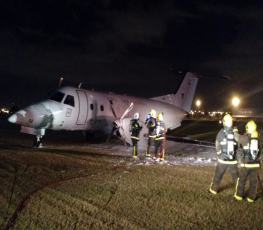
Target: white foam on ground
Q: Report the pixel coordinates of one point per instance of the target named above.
(176, 153)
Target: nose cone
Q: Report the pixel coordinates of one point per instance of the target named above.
(13, 118)
(34, 116)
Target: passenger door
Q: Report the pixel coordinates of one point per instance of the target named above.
(83, 107)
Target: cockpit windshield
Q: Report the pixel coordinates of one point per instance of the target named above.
(57, 96)
(69, 100)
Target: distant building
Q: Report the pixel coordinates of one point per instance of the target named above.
(244, 114)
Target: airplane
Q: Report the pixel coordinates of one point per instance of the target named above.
(71, 108)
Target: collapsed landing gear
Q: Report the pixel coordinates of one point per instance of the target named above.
(37, 142)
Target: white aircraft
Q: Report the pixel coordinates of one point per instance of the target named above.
(70, 108)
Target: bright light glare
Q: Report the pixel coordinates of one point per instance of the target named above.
(235, 101)
(198, 103)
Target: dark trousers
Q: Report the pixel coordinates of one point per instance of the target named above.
(220, 170)
(159, 148)
(150, 143)
(135, 147)
(251, 174)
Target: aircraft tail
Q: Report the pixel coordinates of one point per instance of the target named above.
(183, 98)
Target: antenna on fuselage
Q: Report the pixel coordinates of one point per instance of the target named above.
(60, 81)
(79, 85)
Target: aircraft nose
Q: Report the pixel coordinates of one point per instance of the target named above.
(34, 116)
(13, 118)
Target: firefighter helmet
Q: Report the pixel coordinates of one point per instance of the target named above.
(136, 116)
(153, 113)
(160, 116)
(251, 126)
(228, 120)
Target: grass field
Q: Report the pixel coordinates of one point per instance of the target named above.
(112, 191)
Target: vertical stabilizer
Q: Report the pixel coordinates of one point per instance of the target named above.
(183, 98)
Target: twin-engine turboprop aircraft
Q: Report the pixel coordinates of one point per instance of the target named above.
(70, 108)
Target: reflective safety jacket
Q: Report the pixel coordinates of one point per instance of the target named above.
(226, 146)
(135, 129)
(151, 125)
(251, 155)
(160, 130)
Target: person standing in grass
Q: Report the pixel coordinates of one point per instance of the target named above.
(250, 162)
(226, 147)
(160, 138)
(150, 123)
(135, 129)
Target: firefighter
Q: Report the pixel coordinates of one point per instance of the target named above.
(226, 148)
(250, 162)
(150, 123)
(135, 129)
(160, 138)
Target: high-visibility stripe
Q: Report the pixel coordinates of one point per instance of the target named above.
(218, 152)
(250, 200)
(224, 143)
(159, 138)
(135, 137)
(152, 136)
(236, 196)
(250, 165)
(147, 154)
(211, 190)
(227, 162)
(245, 147)
(162, 156)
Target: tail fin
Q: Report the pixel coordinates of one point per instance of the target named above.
(183, 98)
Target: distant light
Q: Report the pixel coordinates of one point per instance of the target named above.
(235, 101)
(198, 102)
(4, 110)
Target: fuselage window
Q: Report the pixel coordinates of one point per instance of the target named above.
(57, 96)
(69, 100)
(101, 108)
(91, 106)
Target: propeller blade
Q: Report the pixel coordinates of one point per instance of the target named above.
(118, 123)
(112, 109)
(127, 110)
(123, 137)
(111, 133)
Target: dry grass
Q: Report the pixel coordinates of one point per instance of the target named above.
(117, 194)
(141, 197)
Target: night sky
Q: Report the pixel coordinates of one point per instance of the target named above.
(130, 47)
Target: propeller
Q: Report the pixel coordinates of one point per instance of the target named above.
(117, 124)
